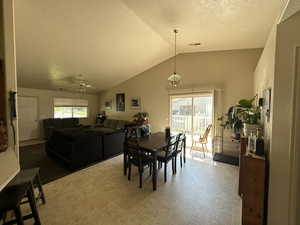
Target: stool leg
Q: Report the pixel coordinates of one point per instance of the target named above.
(39, 185)
(18, 215)
(33, 207)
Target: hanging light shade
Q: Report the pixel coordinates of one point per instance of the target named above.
(175, 79)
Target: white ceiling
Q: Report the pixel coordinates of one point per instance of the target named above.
(111, 41)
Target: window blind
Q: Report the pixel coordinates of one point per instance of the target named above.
(70, 102)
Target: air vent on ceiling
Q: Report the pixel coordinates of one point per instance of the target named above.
(195, 44)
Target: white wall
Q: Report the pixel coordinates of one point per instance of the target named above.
(276, 70)
(264, 78)
(45, 103)
(231, 71)
(9, 160)
(282, 153)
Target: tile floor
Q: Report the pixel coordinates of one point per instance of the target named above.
(201, 193)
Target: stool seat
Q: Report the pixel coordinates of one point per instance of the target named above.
(24, 175)
(30, 176)
(12, 196)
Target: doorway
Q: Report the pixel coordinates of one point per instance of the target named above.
(28, 118)
(191, 113)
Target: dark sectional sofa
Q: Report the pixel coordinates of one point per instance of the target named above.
(50, 125)
(79, 146)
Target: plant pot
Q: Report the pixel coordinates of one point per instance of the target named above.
(250, 128)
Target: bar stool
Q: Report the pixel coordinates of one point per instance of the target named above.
(32, 176)
(11, 199)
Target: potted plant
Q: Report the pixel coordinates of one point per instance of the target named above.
(141, 118)
(249, 114)
(245, 115)
(231, 121)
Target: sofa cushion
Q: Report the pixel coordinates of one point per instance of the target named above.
(107, 123)
(121, 124)
(114, 124)
(103, 130)
(69, 122)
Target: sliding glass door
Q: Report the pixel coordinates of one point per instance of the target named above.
(191, 114)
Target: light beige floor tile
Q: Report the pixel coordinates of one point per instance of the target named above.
(201, 193)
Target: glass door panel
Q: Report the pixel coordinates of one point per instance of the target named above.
(191, 114)
(181, 114)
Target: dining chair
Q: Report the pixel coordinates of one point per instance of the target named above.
(203, 140)
(138, 158)
(129, 134)
(167, 155)
(179, 150)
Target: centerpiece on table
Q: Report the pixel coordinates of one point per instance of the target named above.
(141, 118)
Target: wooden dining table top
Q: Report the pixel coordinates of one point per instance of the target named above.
(154, 142)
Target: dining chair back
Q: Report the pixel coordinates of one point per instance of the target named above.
(180, 144)
(137, 157)
(203, 139)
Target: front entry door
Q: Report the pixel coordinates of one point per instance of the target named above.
(28, 118)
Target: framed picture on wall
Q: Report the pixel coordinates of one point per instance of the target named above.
(135, 103)
(108, 104)
(267, 96)
(120, 102)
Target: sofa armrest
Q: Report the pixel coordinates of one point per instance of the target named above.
(48, 131)
(113, 143)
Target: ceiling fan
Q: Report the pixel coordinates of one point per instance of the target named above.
(76, 83)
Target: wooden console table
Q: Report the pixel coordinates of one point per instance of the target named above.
(252, 186)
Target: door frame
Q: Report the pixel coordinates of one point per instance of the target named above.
(295, 154)
(37, 108)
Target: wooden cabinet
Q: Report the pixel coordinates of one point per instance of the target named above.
(252, 187)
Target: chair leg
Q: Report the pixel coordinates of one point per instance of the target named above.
(141, 177)
(191, 148)
(125, 162)
(150, 169)
(39, 185)
(165, 172)
(18, 215)
(33, 206)
(203, 150)
(129, 170)
(175, 164)
(180, 160)
(206, 147)
(160, 165)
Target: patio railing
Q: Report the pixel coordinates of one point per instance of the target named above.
(184, 123)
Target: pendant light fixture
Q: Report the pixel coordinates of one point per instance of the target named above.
(175, 79)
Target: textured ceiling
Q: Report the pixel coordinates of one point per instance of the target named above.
(111, 41)
(292, 8)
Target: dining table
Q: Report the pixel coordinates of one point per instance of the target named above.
(153, 144)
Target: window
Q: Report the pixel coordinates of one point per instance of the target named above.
(70, 108)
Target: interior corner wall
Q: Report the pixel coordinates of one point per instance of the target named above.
(9, 160)
(282, 152)
(264, 78)
(232, 71)
(45, 104)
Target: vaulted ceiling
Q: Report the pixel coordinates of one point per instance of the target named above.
(111, 41)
